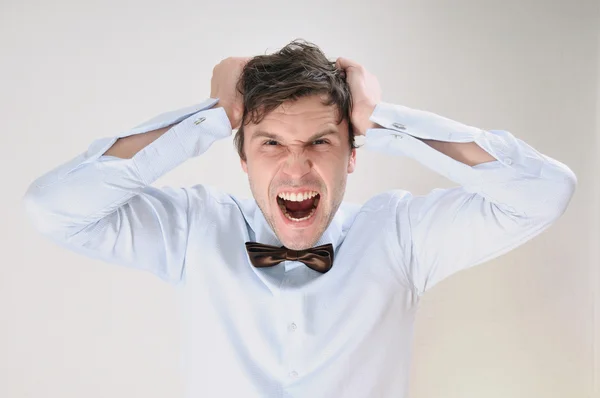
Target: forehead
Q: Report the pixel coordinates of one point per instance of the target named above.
(305, 113)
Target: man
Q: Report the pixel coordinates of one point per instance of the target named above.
(295, 293)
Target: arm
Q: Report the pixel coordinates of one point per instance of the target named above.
(127, 147)
(508, 192)
(468, 153)
(101, 203)
(104, 206)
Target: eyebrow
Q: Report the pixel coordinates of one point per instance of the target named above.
(266, 134)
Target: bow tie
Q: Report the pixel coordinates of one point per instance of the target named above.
(318, 258)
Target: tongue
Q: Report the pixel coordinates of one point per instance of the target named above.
(305, 205)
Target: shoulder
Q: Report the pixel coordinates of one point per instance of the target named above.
(208, 194)
(388, 201)
(215, 201)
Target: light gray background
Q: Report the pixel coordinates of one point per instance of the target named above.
(523, 325)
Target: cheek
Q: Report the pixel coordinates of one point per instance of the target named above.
(331, 162)
(260, 175)
(332, 172)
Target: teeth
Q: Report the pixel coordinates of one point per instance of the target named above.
(298, 197)
(298, 219)
(285, 212)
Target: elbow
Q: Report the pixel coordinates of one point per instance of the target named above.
(38, 215)
(560, 193)
(546, 198)
(571, 181)
(32, 208)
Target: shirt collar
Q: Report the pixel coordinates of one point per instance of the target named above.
(260, 231)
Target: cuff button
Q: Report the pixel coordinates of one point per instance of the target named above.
(399, 126)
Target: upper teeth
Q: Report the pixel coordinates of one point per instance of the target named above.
(298, 197)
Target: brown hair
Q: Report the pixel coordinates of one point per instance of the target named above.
(299, 69)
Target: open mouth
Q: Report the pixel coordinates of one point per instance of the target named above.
(298, 210)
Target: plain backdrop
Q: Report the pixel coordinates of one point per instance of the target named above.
(523, 325)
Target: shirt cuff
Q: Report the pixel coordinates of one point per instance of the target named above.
(195, 128)
(189, 138)
(404, 127)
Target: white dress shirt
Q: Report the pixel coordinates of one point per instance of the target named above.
(289, 331)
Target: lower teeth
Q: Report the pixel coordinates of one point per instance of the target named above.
(297, 219)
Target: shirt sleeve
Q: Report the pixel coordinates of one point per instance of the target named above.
(497, 206)
(104, 207)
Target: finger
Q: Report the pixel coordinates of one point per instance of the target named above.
(344, 63)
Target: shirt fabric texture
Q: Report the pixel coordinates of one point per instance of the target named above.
(287, 330)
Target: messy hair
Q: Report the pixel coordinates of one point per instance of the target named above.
(299, 69)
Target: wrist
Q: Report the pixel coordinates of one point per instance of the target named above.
(233, 115)
(362, 121)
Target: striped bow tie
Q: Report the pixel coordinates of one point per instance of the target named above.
(319, 258)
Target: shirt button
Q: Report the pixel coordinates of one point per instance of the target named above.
(508, 161)
(293, 327)
(293, 374)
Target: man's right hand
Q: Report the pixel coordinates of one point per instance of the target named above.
(223, 86)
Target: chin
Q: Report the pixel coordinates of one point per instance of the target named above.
(298, 243)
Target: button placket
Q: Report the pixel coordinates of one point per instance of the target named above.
(292, 344)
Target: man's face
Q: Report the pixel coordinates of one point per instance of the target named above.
(298, 150)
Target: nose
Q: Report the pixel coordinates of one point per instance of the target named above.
(297, 165)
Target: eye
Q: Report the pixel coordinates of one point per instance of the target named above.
(323, 141)
(270, 143)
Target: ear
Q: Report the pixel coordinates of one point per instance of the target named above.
(352, 161)
(244, 165)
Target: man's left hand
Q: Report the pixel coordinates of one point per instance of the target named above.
(365, 91)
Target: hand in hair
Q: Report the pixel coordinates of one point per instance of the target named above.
(223, 86)
(365, 91)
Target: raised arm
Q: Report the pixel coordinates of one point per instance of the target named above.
(101, 203)
(508, 192)
(498, 205)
